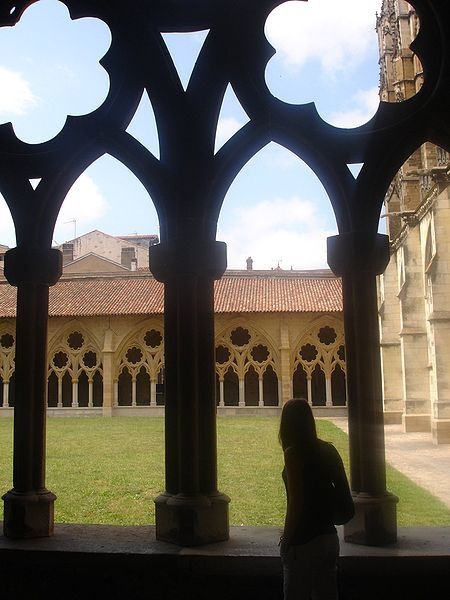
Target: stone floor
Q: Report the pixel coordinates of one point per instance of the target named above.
(101, 561)
(415, 455)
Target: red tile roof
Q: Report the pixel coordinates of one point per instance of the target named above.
(236, 292)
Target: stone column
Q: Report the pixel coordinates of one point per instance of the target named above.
(328, 392)
(108, 373)
(358, 258)
(241, 392)
(221, 392)
(309, 388)
(391, 360)
(60, 393)
(285, 361)
(28, 506)
(191, 511)
(260, 391)
(413, 339)
(91, 392)
(74, 393)
(6, 394)
(152, 392)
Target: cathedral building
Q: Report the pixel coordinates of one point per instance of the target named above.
(414, 290)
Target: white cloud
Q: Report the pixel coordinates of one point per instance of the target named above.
(285, 230)
(365, 104)
(84, 203)
(337, 34)
(226, 128)
(16, 97)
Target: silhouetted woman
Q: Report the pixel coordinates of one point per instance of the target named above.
(318, 496)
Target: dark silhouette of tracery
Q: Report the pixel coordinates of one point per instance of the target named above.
(187, 185)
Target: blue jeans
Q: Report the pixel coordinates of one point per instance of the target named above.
(309, 570)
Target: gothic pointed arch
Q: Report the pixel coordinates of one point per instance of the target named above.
(139, 365)
(246, 353)
(318, 362)
(75, 369)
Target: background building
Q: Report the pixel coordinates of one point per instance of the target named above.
(414, 290)
(278, 334)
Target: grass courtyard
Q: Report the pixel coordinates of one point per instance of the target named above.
(109, 471)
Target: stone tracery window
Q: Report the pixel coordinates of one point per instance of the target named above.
(7, 368)
(246, 373)
(140, 378)
(319, 366)
(75, 375)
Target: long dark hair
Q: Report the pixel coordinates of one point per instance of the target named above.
(297, 425)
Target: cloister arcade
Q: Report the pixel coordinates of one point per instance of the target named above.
(188, 183)
(248, 366)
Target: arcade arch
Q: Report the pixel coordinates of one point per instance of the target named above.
(318, 369)
(139, 371)
(75, 370)
(247, 368)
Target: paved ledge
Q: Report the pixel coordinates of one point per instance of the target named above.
(127, 562)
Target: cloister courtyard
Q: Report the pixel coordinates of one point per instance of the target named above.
(108, 471)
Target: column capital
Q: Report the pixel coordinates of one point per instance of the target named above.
(206, 258)
(358, 251)
(29, 265)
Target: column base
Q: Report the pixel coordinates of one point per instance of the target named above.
(375, 520)
(412, 423)
(192, 520)
(107, 411)
(440, 431)
(28, 515)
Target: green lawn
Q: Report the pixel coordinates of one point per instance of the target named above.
(109, 470)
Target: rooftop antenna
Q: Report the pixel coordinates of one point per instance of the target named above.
(74, 221)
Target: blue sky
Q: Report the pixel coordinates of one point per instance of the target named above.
(276, 211)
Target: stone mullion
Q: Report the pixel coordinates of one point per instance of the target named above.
(5, 394)
(90, 392)
(60, 390)
(309, 387)
(221, 390)
(260, 390)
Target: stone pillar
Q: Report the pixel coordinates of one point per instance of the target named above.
(413, 339)
(6, 394)
(260, 391)
(191, 511)
(75, 393)
(309, 389)
(28, 506)
(241, 392)
(91, 393)
(133, 390)
(389, 313)
(285, 360)
(116, 392)
(152, 392)
(328, 392)
(358, 258)
(108, 373)
(438, 284)
(60, 392)
(221, 392)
